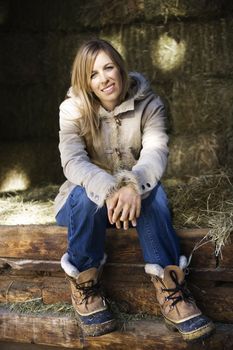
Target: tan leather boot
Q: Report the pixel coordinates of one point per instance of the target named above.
(90, 306)
(177, 305)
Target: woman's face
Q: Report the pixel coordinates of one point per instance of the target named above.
(106, 82)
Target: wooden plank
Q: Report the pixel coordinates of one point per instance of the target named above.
(10, 266)
(128, 285)
(47, 242)
(212, 274)
(216, 302)
(29, 265)
(19, 290)
(226, 259)
(140, 335)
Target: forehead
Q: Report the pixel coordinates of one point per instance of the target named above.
(101, 60)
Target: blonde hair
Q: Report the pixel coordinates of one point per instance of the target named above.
(81, 78)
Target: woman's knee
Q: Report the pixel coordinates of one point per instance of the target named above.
(79, 198)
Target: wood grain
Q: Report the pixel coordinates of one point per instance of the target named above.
(48, 242)
(128, 285)
(63, 331)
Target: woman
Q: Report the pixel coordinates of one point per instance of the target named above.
(114, 151)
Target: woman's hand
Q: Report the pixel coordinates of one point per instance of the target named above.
(124, 205)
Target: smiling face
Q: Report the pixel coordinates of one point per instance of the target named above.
(106, 81)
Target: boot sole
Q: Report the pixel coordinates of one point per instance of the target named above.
(96, 330)
(196, 335)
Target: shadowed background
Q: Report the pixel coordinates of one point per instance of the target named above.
(184, 47)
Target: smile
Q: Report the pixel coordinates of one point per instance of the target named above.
(109, 88)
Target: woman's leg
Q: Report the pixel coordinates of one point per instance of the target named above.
(86, 225)
(161, 252)
(158, 240)
(86, 240)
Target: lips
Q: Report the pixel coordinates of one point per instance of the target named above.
(109, 89)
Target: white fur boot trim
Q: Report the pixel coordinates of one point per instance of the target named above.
(154, 270)
(70, 269)
(157, 270)
(183, 263)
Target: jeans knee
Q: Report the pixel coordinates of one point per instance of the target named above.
(78, 197)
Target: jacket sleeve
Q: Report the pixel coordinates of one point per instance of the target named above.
(77, 167)
(153, 156)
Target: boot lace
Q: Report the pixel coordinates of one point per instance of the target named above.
(179, 293)
(92, 290)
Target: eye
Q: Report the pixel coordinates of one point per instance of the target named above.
(109, 67)
(93, 75)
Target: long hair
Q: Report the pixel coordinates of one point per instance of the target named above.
(81, 79)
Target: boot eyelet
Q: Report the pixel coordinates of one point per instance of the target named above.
(171, 307)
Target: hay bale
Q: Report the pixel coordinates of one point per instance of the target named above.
(202, 105)
(73, 14)
(195, 154)
(177, 49)
(171, 9)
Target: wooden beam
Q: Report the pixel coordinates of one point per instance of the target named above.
(29, 264)
(140, 335)
(48, 242)
(9, 266)
(127, 284)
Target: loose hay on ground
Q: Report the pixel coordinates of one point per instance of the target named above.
(205, 201)
(33, 206)
(37, 307)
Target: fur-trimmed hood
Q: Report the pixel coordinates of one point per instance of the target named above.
(140, 87)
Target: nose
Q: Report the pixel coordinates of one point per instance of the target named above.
(103, 77)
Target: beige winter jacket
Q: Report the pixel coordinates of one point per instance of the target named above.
(133, 147)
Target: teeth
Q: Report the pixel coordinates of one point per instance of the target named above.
(108, 88)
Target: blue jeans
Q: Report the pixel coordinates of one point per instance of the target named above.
(87, 225)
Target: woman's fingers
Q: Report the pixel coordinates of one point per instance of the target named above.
(116, 213)
(138, 206)
(132, 213)
(118, 224)
(134, 222)
(126, 224)
(124, 206)
(125, 212)
(111, 204)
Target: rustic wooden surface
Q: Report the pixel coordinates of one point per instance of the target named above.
(30, 268)
(47, 242)
(141, 334)
(128, 285)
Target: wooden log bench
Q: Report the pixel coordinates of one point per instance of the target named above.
(30, 269)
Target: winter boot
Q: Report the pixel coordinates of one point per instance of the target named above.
(177, 305)
(90, 306)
